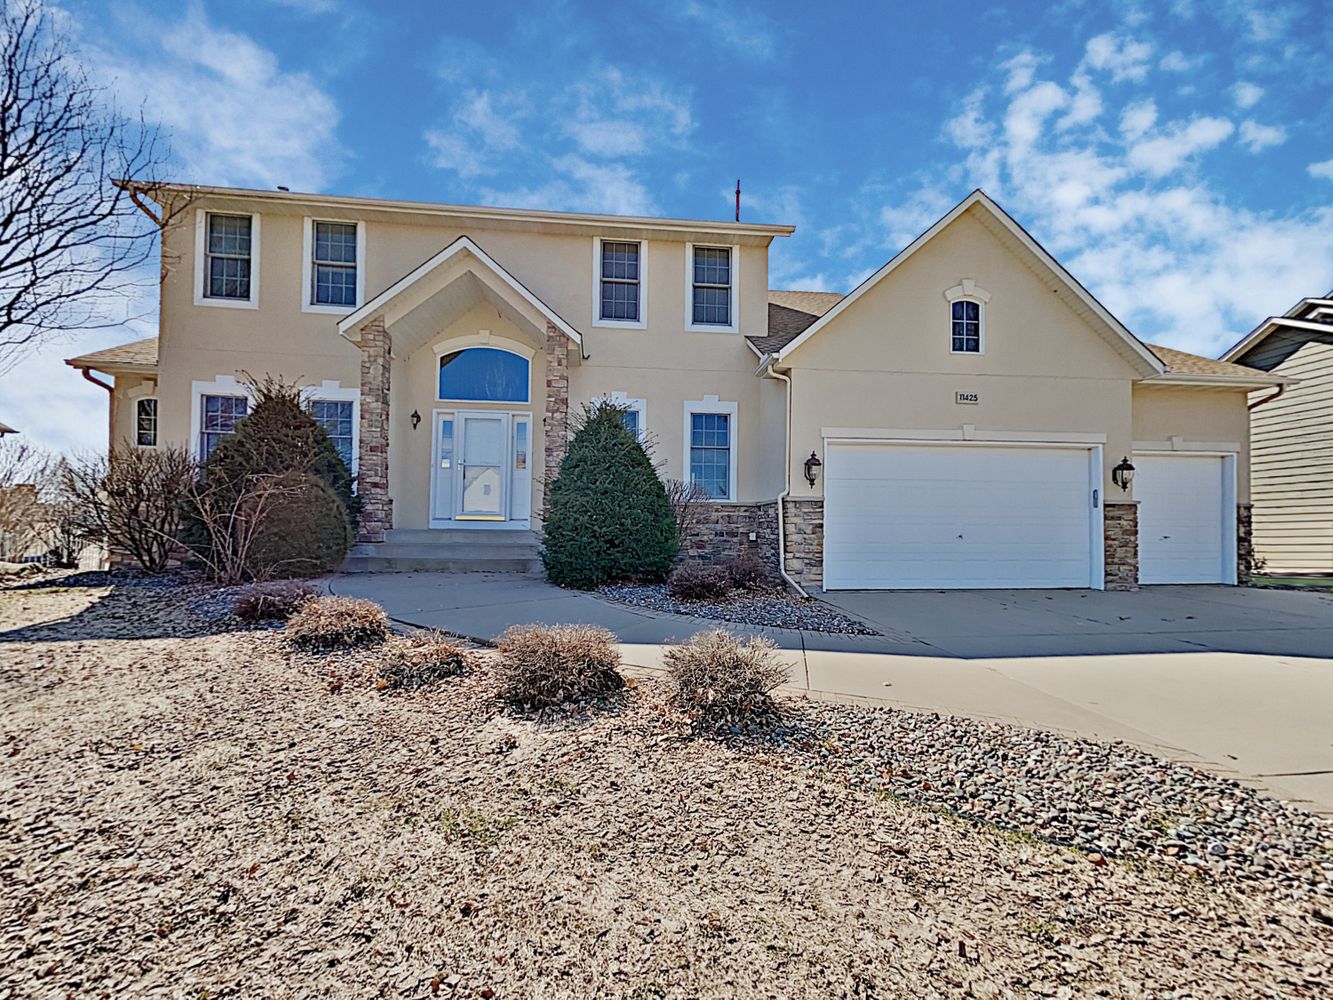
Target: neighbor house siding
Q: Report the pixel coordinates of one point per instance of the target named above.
(1291, 479)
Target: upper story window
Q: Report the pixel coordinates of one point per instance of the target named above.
(335, 416)
(145, 422)
(712, 277)
(966, 326)
(218, 417)
(226, 259)
(620, 281)
(484, 375)
(333, 269)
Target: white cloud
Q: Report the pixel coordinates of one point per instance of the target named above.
(233, 114)
(742, 30)
(1324, 170)
(620, 116)
(581, 185)
(1246, 95)
(1256, 137)
(1085, 106)
(1173, 257)
(1164, 153)
(480, 133)
(1177, 62)
(1122, 57)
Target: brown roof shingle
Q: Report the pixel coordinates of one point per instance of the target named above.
(1184, 363)
(790, 313)
(138, 354)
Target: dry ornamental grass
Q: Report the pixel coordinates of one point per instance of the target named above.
(546, 666)
(337, 623)
(722, 682)
(415, 661)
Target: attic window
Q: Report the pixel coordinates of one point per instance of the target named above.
(965, 320)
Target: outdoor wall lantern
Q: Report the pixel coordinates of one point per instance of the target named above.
(416, 419)
(812, 465)
(1123, 474)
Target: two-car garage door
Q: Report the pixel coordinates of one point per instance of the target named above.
(959, 516)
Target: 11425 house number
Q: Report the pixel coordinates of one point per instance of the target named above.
(966, 397)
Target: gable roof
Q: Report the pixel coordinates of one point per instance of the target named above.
(137, 355)
(1129, 346)
(1292, 319)
(384, 301)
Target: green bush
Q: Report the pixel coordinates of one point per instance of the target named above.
(302, 531)
(543, 666)
(337, 623)
(607, 517)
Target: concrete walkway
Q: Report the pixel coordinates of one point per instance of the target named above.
(1238, 680)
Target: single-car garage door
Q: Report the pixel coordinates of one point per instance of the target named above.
(1184, 523)
(959, 516)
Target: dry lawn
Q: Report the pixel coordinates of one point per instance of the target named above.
(186, 813)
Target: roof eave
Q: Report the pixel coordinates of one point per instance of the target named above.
(1220, 381)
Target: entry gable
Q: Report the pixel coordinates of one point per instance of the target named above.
(448, 285)
(1010, 234)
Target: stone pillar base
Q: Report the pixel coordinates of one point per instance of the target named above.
(803, 541)
(1244, 543)
(372, 478)
(1121, 527)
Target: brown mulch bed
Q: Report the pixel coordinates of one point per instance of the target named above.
(188, 812)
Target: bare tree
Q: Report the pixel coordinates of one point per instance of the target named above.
(131, 501)
(685, 498)
(231, 514)
(73, 176)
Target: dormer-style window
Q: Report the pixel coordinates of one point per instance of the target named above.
(965, 318)
(619, 267)
(333, 273)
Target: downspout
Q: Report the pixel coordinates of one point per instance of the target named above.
(110, 407)
(1269, 398)
(786, 489)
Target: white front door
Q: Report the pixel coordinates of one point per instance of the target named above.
(483, 466)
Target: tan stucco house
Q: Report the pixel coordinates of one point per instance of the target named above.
(971, 410)
(1292, 464)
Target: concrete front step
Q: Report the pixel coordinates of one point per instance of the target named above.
(413, 550)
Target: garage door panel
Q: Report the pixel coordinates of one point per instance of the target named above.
(1183, 521)
(909, 516)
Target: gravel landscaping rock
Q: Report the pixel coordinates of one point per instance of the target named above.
(190, 814)
(1106, 799)
(773, 609)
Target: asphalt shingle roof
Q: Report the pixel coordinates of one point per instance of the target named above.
(136, 354)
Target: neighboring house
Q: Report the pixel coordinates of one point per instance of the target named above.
(966, 406)
(1292, 464)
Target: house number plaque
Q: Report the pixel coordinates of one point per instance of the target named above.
(969, 398)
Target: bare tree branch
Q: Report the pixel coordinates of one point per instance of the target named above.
(73, 243)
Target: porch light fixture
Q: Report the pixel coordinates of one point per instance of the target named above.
(812, 465)
(1123, 474)
(416, 419)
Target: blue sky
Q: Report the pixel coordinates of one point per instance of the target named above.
(1176, 157)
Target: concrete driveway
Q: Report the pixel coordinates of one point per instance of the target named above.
(1234, 679)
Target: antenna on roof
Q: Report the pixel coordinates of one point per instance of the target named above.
(738, 199)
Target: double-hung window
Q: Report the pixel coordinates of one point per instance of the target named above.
(228, 257)
(335, 416)
(333, 264)
(710, 453)
(145, 422)
(620, 282)
(219, 416)
(712, 287)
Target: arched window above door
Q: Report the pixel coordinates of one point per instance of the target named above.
(484, 375)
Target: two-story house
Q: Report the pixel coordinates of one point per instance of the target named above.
(970, 416)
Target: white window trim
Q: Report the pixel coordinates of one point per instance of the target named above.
(201, 241)
(735, 325)
(333, 391)
(619, 324)
(308, 304)
(639, 406)
(330, 390)
(968, 291)
(711, 404)
(157, 427)
(483, 338)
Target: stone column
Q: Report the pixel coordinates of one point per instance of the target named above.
(803, 541)
(373, 453)
(1120, 522)
(1244, 543)
(556, 420)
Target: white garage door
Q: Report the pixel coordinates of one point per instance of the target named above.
(958, 516)
(1183, 520)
